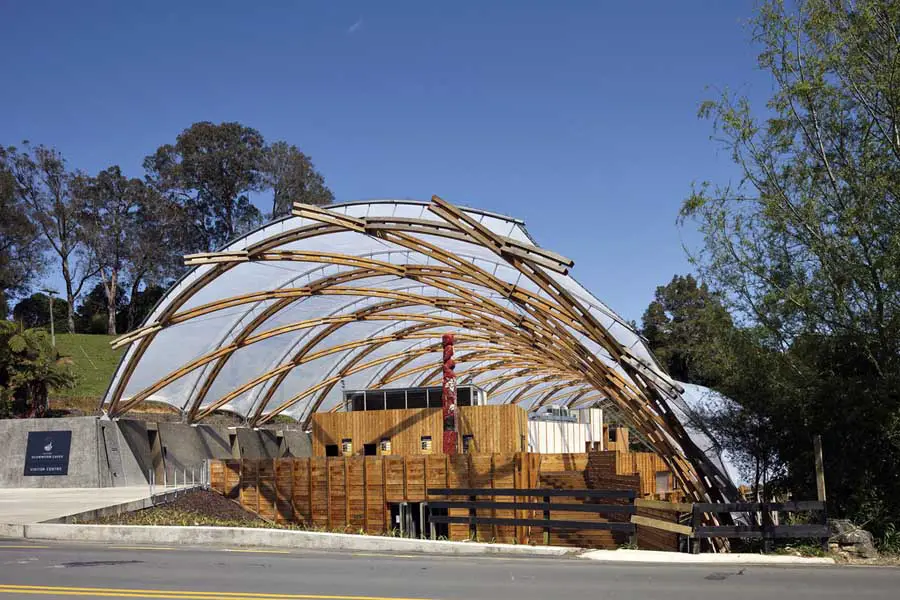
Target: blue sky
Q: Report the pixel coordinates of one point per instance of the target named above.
(577, 117)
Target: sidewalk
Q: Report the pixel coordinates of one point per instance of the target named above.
(21, 506)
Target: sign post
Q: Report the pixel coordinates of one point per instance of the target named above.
(448, 396)
(47, 453)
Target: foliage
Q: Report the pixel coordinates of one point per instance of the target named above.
(92, 312)
(34, 311)
(21, 251)
(110, 206)
(42, 188)
(680, 321)
(293, 178)
(806, 249)
(29, 368)
(890, 540)
(211, 170)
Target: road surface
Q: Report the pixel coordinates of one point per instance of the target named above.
(61, 570)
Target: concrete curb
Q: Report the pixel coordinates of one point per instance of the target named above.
(648, 556)
(266, 538)
(12, 531)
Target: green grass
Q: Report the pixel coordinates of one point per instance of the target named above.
(94, 363)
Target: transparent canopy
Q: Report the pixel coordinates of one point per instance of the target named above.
(358, 295)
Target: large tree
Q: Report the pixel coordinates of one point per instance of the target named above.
(156, 254)
(108, 206)
(34, 312)
(806, 247)
(211, 170)
(680, 325)
(21, 251)
(43, 187)
(293, 178)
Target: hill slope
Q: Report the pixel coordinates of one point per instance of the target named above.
(94, 363)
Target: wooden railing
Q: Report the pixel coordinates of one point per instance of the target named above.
(766, 528)
(544, 506)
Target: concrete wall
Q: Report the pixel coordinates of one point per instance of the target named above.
(257, 443)
(99, 455)
(296, 443)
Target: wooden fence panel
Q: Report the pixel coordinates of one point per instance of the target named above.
(300, 493)
(458, 477)
(481, 475)
(265, 472)
(356, 492)
(415, 478)
(394, 473)
(319, 492)
(376, 521)
(284, 484)
(337, 493)
(504, 476)
(217, 476)
(249, 495)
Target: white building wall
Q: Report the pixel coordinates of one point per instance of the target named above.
(558, 437)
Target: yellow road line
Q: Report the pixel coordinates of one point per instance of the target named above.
(140, 548)
(256, 551)
(173, 594)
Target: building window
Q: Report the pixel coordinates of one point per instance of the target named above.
(612, 434)
(331, 450)
(347, 446)
(370, 449)
(468, 444)
(662, 482)
(425, 444)
(385, 445)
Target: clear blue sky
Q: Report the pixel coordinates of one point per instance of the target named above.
(577, 117)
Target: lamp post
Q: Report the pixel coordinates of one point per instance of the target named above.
(50, 293)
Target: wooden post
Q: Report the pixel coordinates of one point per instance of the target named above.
(820, 484)
(820, 468)
(547, 518)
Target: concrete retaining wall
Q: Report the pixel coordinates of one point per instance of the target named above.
(296, 443)
(84, 456)
(257, 443)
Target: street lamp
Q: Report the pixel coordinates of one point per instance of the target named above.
(50, 293)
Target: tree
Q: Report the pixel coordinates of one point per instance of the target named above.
(107, 205)
(211, 170)
(92, 312)
(680, 325)
(29, 367)
(141, 303)
(21, 251)
(34, 311)
(806, 248)
(293, 178)
(42, 186)
(156, 254)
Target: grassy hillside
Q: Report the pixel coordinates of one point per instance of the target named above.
(94, 364)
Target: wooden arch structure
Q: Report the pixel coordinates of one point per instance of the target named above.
(362, 292)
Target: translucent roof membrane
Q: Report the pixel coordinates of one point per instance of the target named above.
(359, 294)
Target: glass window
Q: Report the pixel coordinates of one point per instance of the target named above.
(425, 444)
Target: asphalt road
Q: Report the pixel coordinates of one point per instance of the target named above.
(57, 571)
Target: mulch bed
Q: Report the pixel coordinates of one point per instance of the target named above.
(199, 507)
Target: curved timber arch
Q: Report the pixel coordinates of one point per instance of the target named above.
(363, 291)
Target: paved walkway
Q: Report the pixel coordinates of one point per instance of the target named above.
(21, 506)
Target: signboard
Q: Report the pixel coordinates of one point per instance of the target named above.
(47, 453)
